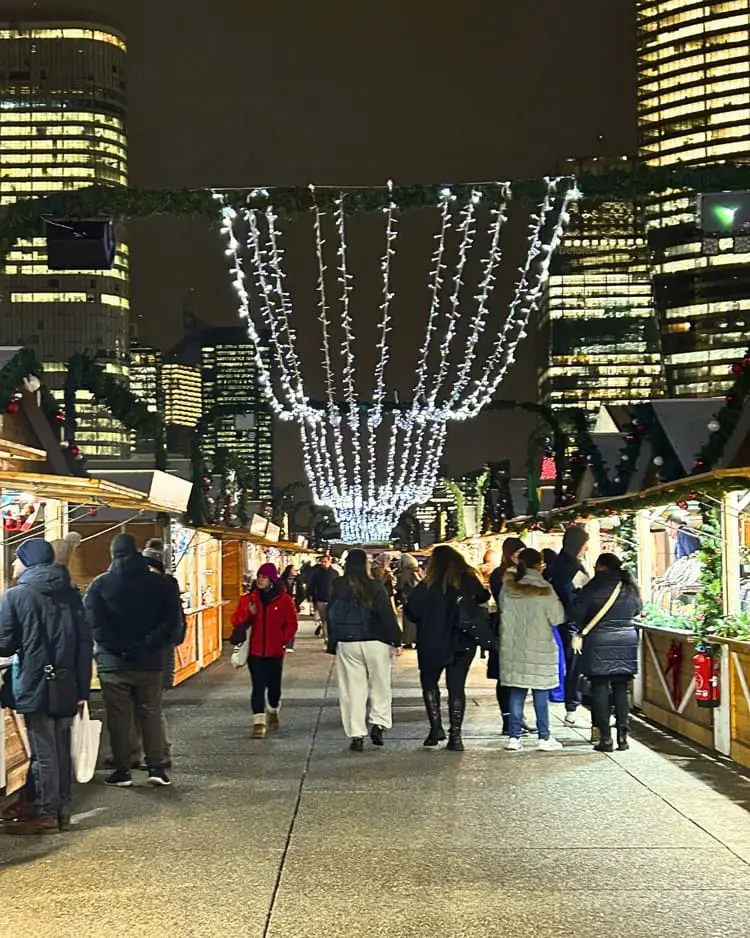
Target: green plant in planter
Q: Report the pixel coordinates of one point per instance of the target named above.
(661, 619)
(736, 626)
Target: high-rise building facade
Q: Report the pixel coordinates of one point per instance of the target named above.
(229, 376)
(62, 127)
(146, 382)
(183, 398)
(600, 338)
(694, 110)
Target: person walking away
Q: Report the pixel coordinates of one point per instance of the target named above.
(512, 547)
(153, 554)
(42, 621)
(290, 581)
(567, 576)
(604, 612)
(269, 613)
(136, 619)
(363, 633)
(409, 578)
(528, 653)
(25, 803)
(381, 572)
(441, 645)
(321, 584)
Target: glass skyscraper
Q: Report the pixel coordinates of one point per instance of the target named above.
(62, 127)
(600, 338)
(694, 109)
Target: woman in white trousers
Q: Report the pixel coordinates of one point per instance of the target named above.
(364, 635)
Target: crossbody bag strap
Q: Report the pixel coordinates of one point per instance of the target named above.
(604, 610)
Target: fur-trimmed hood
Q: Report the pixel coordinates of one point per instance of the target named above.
(533, 584)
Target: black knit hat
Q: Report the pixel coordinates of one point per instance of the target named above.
(123, 546)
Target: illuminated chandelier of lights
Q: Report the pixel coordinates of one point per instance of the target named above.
(340, 439)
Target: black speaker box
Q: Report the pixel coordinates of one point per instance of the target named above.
(80, 245)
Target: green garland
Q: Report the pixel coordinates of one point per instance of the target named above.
(627, 543)
(709, 605)
(728, 417)
(84, 372)
(460, 505)
(25, 218)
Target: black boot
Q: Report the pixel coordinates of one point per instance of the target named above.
(456, 707)
(432, 705)
(506, 725)
(605, 743)
(622, 738)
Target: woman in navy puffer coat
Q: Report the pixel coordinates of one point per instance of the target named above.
(610, 649)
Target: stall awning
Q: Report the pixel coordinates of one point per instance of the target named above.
(83, 491)
(9, 449)
(235, 534)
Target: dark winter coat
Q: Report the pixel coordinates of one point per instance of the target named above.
(271, 617)
(321, 584)
(435, 611)
(135, 616)
(611, 647)
(349, 621)
(561, 575)
(45, 603)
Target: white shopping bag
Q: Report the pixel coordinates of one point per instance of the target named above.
(240, 653)
(84, 745)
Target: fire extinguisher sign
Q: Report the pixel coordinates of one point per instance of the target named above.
(706, 667)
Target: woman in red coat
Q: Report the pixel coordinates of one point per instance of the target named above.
(268, 611)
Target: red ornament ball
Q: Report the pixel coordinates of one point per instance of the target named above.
(729, 398)
(682, 504)
(60, 418)
(12, 407)
(693, 496)
(75, 451)
(93, 512)
(738, 368)
(631, 438)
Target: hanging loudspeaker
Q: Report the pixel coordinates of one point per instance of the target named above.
(80, 245)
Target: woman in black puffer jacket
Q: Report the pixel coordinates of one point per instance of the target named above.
(610, 649)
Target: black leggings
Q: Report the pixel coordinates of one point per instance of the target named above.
(503, 699)
(455, 675)
(265, 674)
(600, 691)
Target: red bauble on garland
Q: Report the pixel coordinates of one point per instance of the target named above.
(738, 368)
(75, 451)
(12, 407)
(93, 512)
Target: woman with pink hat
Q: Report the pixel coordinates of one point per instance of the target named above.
(269, 613)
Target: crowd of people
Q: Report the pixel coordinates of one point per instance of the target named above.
(542, 622)
(551, 625)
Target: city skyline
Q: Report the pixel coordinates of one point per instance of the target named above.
(63, 127)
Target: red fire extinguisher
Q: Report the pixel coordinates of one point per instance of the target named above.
(706, 664)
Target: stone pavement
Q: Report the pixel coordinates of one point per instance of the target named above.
(296, 837)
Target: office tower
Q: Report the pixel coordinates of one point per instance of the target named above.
(600, 336)
(146, 382)
(694, 110)
(229, 376)
(183, 403)
(62, 127)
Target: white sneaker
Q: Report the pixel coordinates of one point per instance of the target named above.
(513, 745)
(550, 745)
(570, 718)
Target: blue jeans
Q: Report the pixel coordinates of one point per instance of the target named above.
(541, 707)
(49, 740)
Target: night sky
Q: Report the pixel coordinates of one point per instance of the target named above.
(235, 93)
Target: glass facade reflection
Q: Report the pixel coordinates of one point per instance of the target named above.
(694, 109)
(229, 376)
(600, 335)
(62, 127)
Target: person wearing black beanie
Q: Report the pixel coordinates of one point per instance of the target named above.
(42, 620)
(136, 618)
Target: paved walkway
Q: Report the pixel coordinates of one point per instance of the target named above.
(295, 836)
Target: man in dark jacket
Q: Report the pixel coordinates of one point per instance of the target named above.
(153, 554)
(135, 617)
(43, 622)
(321, 585)
(567, 576)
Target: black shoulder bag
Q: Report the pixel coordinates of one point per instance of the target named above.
(61, 684)
(474, 621)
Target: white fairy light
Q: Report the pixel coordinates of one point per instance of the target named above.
(228, 215)
(345, 278)
(486, 287)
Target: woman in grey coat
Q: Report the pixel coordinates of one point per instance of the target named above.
(529, 610)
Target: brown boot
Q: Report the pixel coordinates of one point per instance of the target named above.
(33, 826)
(273, 720)
(18, 810)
